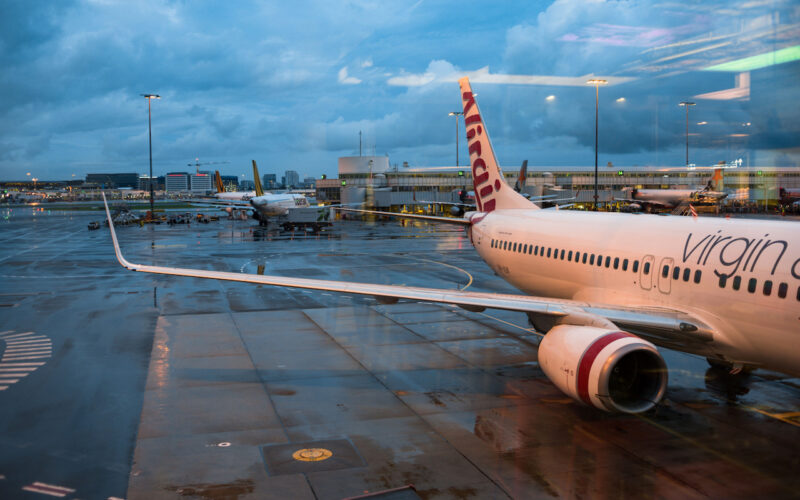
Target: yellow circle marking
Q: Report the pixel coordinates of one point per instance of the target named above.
(312, 454)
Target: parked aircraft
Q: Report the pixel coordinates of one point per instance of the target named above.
(789, 196)
(606, 287)
(263, 205)
(660, 199)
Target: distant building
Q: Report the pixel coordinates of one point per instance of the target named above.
(269, 181)
(158, 183)
(309, 183)
(292, 179)
(177, 181)
(247, 185)
(230, 182)
(109, 181)
(201, 182)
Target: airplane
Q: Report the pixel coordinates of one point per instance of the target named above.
(606, 288)
(221, 194)
(262, 204)
(789, 196)
(651, 199)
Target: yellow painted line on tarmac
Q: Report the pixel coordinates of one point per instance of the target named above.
(782, 417)
(529, 330)
(699, 445)
(449, 265)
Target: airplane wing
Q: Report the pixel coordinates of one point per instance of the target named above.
(666, 327)
(215, 203)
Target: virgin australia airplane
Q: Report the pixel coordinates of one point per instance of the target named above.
(606, 287)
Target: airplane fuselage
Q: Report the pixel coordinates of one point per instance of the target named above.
(720, 270)
(272, 205)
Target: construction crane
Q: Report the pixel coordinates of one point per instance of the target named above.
(197, 164)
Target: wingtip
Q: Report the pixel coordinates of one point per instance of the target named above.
(124, 263)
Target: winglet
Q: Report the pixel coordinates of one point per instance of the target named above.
(120, 258)
(257, 181)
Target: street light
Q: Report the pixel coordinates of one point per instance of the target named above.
(686, 105)
(456, 113)
(596, 82)
(149, 98)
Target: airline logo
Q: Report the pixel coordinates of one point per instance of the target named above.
(485, 176)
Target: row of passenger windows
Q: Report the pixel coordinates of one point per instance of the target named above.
(752, 286)
(677, 272)
(589, 258)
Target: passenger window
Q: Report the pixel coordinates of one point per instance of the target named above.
(723, 280)
(515, 247)
(686, 273)
(798, 293)
(555, 253)
(782, 288)
(636, 266)
(676, 272)
(569, 255)
(737, 282)
(665, 271)
(591, 260)
(599, 260)
(536, 250)
(562, 254)
(585, 255)
(530, 249)
(548, 251)
(608, 261)
(525, 248)
(616, 262)
(697, 275)
(646, 268)
(767, 287)
(751, 285)
(625, 264)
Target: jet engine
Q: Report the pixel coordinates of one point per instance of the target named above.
(608, 369)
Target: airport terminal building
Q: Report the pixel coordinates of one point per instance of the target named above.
(372, 181)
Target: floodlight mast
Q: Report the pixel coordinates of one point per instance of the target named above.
(149, 98)
(686, 105)
(596, 82)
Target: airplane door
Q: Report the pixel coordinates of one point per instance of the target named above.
(664, 283)
(646, 272)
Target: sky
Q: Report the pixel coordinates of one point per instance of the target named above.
(291, 84)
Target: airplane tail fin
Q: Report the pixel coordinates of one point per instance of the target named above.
(523, 176)
(716, 183)
(257, 180)
(218, 182)
(492, 192)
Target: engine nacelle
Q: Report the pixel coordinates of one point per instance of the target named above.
(608, 369)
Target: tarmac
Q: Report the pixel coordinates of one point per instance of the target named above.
(116, 384)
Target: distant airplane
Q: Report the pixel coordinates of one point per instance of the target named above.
(606, 287)
(650, 199)
(789, 196)
(263, 205)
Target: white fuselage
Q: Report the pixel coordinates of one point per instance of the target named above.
(674, 197)
(272, 205)
(235, 195)
(759, 327)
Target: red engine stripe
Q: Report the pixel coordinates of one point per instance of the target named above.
(585, 366)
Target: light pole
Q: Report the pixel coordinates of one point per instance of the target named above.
(456, 114)
(149, 98)
(596, 82)
(686, 105)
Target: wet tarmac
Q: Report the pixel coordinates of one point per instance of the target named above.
(140, 386)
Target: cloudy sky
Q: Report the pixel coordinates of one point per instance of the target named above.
(291, 84)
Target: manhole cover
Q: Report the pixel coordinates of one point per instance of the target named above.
(312, 454)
